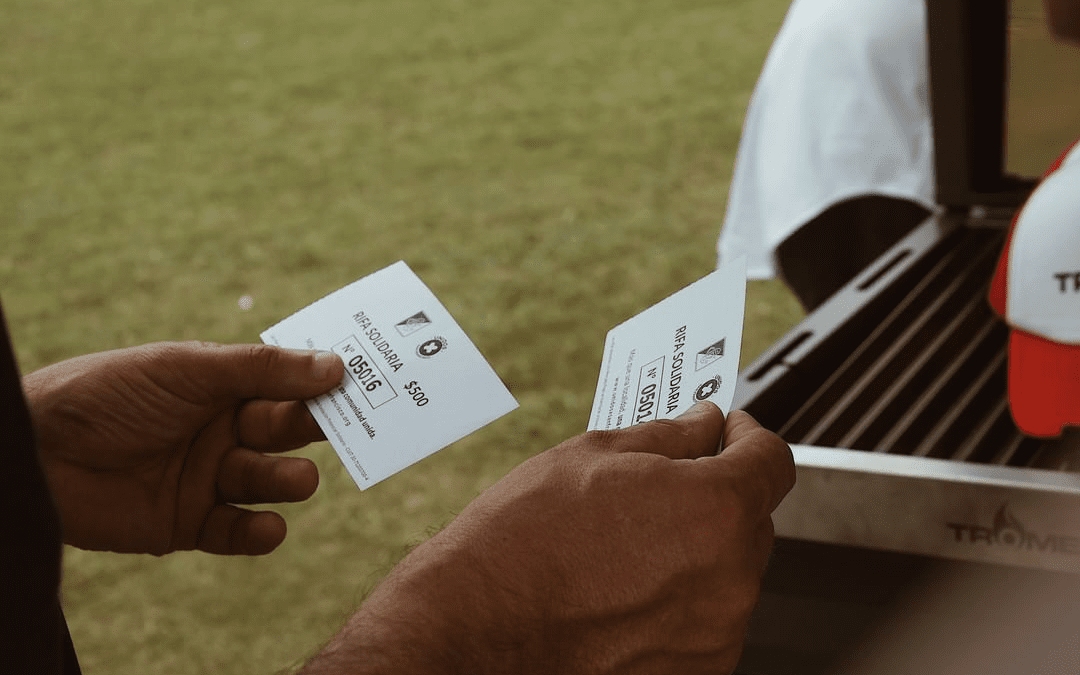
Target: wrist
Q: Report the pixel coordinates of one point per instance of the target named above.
(435, 613)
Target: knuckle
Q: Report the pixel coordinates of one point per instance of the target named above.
(614, 440)
(780, 458)
(657, 434)
(179, 354)
(187, 346)
(260, 359)
(729, 502)
(601, 440)
(168, 351)
(667, 426)
(785, 460)
(260, 354)
(761, 436)
(641, 437)
(169, 364)
(665, 429)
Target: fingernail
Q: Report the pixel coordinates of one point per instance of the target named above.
(323, 364)
(699, 409)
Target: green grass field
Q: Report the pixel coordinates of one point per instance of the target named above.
(549, 169)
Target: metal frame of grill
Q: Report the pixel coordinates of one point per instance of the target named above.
(893, 396)
(893, 393)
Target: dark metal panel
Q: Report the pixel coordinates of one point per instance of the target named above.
(968, 50)
(791, 371)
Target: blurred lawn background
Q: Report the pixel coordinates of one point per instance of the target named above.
(549, 169)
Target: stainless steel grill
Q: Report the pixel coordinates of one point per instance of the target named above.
(912, 477)
(929, 380)
(894, 397)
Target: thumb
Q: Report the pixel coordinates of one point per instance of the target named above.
(254, 371)
(760, 459)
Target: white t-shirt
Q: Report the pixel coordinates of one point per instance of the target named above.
(841, 109)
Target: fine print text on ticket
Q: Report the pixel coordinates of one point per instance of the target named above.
(681, 350)
(414, 382)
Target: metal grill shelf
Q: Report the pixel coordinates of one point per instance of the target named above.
(893, 395)
(929, 380)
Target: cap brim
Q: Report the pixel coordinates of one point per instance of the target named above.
(1044, 384)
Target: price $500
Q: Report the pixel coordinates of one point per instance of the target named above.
(417, 393)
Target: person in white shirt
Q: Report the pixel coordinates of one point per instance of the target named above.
(835, 163)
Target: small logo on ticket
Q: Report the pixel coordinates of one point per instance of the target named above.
(709, 354)
(707, 389)
(412, 324)
(429, 348)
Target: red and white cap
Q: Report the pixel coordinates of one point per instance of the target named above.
(1037, 291)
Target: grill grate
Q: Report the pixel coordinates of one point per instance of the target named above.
(930, 378)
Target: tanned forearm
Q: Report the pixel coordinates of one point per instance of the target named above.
(597, 557)
(430, 616)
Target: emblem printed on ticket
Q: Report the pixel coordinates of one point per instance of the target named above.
(414, 382)
(681, 350)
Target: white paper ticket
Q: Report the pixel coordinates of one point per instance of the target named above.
(681, 350)
(414, 382)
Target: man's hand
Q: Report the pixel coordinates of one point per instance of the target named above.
(147, 449)
(632, 551)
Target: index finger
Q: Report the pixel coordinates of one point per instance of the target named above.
(205, 371)
(760, 460)
(275, 426)
(695, 433)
